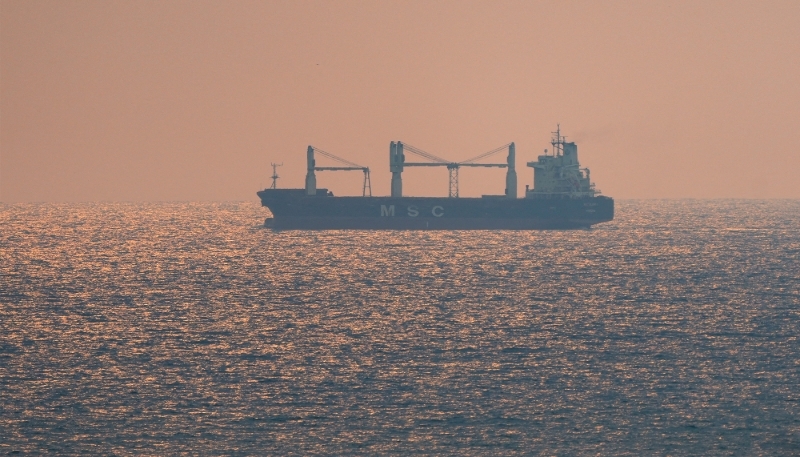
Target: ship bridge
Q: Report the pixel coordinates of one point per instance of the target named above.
(559, 174)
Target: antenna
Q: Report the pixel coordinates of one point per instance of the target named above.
(557, 142)
(275, 175)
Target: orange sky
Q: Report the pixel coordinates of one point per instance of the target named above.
(192, 100)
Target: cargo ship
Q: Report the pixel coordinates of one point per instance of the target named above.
(562, 197)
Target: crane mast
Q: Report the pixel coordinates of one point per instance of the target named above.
(311, 178)
(397, 163)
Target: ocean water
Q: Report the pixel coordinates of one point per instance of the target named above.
(187, 328)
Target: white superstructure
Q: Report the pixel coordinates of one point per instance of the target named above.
(559, 174)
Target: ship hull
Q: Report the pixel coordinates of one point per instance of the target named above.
(293, 210)
(362, 223)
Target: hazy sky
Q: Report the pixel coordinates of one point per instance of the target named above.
(192, 100)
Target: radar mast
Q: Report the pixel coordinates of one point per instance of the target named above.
(275, 175)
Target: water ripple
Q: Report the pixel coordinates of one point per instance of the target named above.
(187, 328)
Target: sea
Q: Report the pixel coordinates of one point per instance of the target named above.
(190, 329)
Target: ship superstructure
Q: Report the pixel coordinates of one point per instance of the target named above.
(559, 174)
(562, 197)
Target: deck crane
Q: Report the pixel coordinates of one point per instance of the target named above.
(397, 163)
(311, 178)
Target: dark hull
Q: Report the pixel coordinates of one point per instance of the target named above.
(293, 210)
(363, 223)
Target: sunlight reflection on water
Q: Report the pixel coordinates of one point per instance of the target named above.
(165, 328)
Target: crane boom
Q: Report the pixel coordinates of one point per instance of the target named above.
(427, 164)
(336, 158)
(311, 179)
(496, 165)
(340, 168)
(487, 154)
(452, 167)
